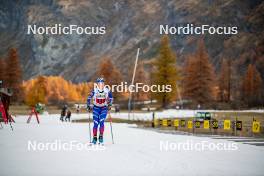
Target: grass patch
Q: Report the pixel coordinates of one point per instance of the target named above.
(118, 120)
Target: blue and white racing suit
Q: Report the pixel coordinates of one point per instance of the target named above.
(101, 100)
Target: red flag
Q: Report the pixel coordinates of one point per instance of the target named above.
(2, 111)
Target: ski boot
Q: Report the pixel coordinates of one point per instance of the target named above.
(101, 140)
(94, 140)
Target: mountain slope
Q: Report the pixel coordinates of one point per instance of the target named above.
(130, 24)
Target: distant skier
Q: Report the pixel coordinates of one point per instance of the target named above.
(78, 109)
(68, 116)
(63, 112)
(102, 102)
(39, 108)
(117, 108)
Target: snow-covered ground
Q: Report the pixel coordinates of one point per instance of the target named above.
(135, 152)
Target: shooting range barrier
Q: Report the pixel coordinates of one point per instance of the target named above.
(217, 127)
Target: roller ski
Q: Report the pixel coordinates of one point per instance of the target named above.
(101, 140)
(98, 141)
(94, 141)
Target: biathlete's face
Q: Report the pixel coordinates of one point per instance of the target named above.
(100, 85)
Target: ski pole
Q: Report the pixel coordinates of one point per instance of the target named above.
(11, 126)
(110, 119)
(10, 121)
(89, 126)
(1, 125)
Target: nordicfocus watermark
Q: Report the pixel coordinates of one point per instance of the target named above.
(190, 145)
(71, 29)
(58, 145)
(191, 29)
(137, 87)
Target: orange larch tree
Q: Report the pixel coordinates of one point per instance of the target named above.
(141, 77)
(224, 81)
(198, 81)
(111, 74)
(37, 91)
(2, 71)
(14, 74)
(252, 87)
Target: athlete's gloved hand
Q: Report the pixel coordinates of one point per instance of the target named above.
(89, 108)
(109, 107)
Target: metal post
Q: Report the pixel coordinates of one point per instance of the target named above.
(132, 83)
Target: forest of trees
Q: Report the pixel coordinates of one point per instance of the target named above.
(200, 84)
(197, 81)
(55, 90)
